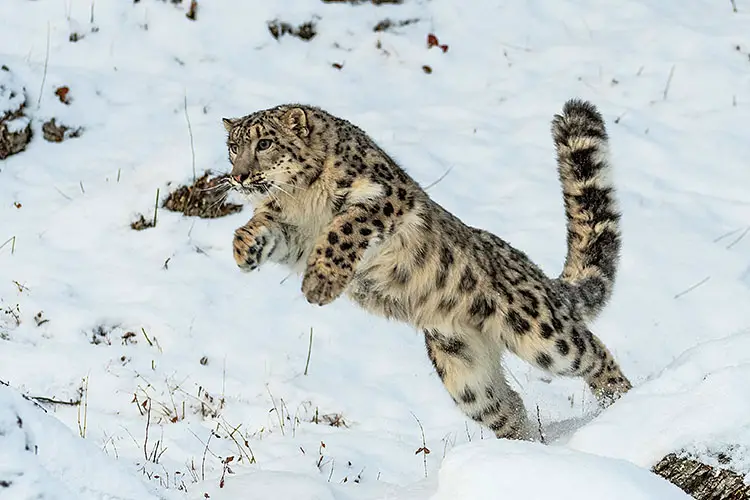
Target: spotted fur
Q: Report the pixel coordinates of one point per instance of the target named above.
(332, 205)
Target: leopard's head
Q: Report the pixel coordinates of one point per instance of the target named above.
(273, 152)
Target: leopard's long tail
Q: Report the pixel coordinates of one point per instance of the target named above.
(590, 206)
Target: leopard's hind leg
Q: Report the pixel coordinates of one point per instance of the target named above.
(573, 351)
(472, 373)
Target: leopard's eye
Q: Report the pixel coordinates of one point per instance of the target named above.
(263, 144)
(233, 148)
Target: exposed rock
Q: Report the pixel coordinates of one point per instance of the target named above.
(701, 481)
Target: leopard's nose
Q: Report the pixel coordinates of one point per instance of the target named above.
(241, 177)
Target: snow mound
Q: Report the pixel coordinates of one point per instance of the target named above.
(706, 382)
(12, 94)
(509, 469)
(41, 458)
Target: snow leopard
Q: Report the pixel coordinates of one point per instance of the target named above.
(334, 207)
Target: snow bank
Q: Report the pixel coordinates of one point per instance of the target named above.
(41, 458)
(12, 94)
(505, 469)
(699, 403)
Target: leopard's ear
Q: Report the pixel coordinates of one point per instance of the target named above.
(296, 120)
(228, 123)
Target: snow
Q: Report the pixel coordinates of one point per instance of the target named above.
(672, 81)
(11, 93)
(473, 472)
(17, 125)
(700, 382)
(41, 458)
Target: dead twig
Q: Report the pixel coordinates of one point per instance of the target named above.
(309, 351)
(44, 399)
(690, 289)
(737, 240)
(190, 133)
(276, 409)
(63, 194)
(83, 409)
(542, 437)
(726, 235)
(424, 450)
(156, 206)
(669, 82)
(148, 424)
(24, 396)
(438, 179)
(44, 74)
(12, 241)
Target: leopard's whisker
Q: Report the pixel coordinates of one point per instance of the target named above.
(218, 187)
(218, 202)
(222, 183)
(268, 191)
(287, 184)
(283, 191)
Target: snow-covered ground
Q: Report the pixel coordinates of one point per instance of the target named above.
(212, 384)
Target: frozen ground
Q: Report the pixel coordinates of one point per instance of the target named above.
(216, 366)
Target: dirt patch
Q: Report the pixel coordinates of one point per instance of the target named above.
(331, 419)
(305, 31)
(54, 132)
(389, 24)
(702, 481)
(102, 334)
(205, 198)
(141, 223)
(15, 126)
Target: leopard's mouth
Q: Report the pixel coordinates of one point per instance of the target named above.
(248, 184)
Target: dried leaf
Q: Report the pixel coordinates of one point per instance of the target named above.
(62, 94)
(432, 41)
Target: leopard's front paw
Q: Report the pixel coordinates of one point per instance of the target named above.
(249, 243)
(321, 286)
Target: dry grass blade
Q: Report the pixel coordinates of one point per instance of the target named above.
(432, 184)
(190, 133)
(424, 450)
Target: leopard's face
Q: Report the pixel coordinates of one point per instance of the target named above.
(267, 152)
